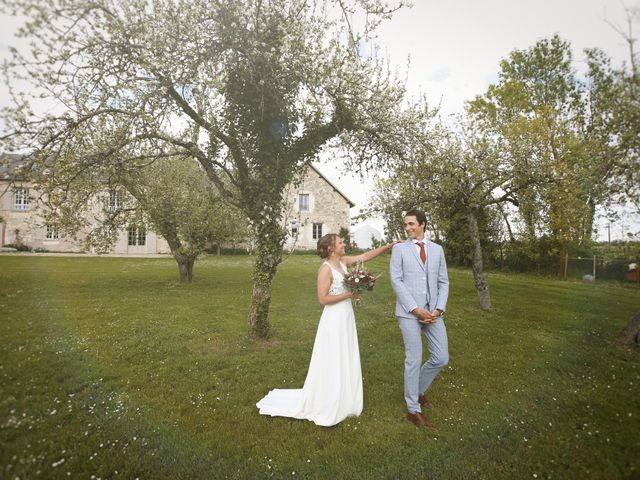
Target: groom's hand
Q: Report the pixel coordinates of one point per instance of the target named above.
(429, 317)
(424, 316)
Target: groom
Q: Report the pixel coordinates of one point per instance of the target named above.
(419, 278)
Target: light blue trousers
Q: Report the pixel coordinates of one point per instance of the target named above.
(418, 377)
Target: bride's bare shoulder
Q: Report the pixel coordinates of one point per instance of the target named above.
(324, 267)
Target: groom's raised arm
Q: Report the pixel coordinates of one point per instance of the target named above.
(402, 292)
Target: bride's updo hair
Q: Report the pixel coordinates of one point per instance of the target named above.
(325, 243)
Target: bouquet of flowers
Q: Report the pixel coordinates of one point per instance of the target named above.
(358, 279)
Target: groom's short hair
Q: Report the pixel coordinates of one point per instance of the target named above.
(421, 217)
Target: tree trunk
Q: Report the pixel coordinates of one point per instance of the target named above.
(588, 221)
(629, 336)
(505, 217)
(185, 266)
(259, 316)
(185, 262)
(268, 257)
(563, 262)
(482, 287)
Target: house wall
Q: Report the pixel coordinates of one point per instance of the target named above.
(326, 206)
(154, 244)
(27, 227)
(24, 226)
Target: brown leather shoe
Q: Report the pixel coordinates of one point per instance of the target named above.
(419, 420)
(424, 401)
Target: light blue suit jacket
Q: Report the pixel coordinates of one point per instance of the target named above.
(417, 284)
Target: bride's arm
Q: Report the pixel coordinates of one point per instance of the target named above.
(324, 284)
(366, 256)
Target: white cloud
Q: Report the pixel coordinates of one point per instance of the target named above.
(440, 75)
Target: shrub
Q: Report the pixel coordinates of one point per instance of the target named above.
(20, 248)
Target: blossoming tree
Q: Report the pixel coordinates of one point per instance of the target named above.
(252, 89)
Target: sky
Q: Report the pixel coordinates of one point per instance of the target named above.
(454, 50)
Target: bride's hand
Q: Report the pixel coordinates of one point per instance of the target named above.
(356, 296)
(391, 244)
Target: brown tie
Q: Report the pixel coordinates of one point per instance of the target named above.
(423, 254)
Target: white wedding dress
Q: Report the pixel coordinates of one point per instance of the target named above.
(333, 388)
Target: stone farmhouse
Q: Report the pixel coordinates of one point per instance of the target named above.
(314, 207)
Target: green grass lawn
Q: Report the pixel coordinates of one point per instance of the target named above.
(109, 368)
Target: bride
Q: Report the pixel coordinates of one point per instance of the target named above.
(332, 390)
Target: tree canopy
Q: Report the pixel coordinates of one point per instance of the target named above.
(251, 89)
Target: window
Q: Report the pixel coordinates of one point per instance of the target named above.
(21, 199)
(50, 232)
(115, 202)
(137, 236)
(303, 202)
(294, 229)
(317, 231)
